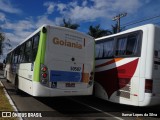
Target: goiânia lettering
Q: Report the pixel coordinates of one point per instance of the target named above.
(67, 43)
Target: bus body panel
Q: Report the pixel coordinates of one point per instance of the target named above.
(142, 64)
(149, 52)
(69, 61)
(156, 66)
(131, 80)
(40, 90)
(25, 80)
(151, 69)
(116, 79)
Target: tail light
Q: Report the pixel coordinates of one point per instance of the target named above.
(148, 85)
(44, 75)
(91, 79)
(91, 76)
(44, 69)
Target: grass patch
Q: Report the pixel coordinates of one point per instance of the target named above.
(4, 104)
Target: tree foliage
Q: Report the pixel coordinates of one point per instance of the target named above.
(96, 31)
(5, 44)
(115, 27)
(69, 24)
(2, 38)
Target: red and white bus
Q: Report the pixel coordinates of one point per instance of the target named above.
(128, 66)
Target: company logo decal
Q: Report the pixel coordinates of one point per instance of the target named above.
(66, 43)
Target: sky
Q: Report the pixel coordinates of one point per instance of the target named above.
(19, 18)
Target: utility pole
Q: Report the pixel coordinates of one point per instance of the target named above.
(117, 18)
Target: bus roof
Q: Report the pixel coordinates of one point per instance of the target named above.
(129, 30)
(46, 25)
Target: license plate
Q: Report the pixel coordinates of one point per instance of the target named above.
(70, 84)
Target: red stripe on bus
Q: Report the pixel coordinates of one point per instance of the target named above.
(111, 80)
(109, 62)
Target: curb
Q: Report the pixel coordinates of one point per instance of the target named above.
(9, 99)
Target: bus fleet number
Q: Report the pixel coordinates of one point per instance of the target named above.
(75, 68)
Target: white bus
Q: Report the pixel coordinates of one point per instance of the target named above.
(127, 69)
(53, 61)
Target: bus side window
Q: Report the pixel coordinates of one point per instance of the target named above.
(16, 55)
(35, 45)
(121, 46)
(7, 58)
(105, 49)
(28, 51)
(127, 45)
(21, 53)
(108, 48)
(132, 45)
(99, 50)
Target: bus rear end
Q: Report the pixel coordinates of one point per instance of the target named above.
(150, 81)
(67, 68)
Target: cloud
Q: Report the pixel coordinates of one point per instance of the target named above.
(6, 6)
(16, 32)
(61, 7)
(90, 10)
(84, 3)
(84, 11)
(21, 25)
(2, 17)
(41, 20)
(50, 7)
(147, 1)
(130, 6)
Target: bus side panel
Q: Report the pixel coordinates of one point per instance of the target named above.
(142, 61)
(115, 80)
(40, 56)
(25, 77)
(7, 72)
(147, 58)
(156, 68)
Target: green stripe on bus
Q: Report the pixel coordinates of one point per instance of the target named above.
(40, 56)
(94, 61)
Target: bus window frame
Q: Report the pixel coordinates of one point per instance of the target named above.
(10, 56)
(138, 52)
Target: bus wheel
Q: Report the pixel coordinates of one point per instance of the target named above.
(16, 85)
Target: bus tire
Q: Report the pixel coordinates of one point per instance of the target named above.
(16, 85)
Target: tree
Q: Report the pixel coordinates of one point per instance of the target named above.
(114, 28)
(2, 38)
(96, 31)
(5, 44)
(69, 24)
